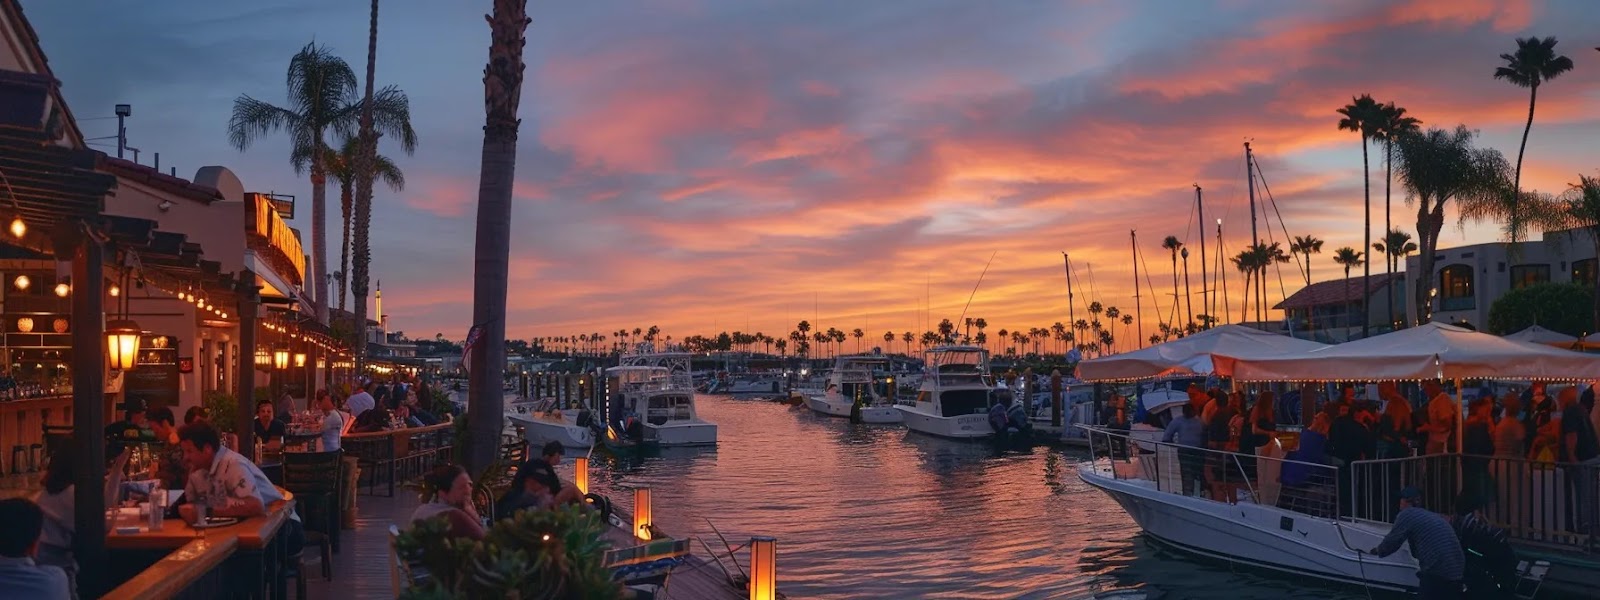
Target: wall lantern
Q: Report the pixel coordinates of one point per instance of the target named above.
(299, 359)
(263, 359)
(322, 363)
(22, 282)
(280, 357)
(580, 474)
(641, 513)
(122, 343)
(763, 568)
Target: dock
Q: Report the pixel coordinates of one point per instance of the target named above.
(361, 568)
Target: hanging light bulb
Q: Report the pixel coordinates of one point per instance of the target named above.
(18, 228)
(22, 282)
(114, 291)
(63, 289)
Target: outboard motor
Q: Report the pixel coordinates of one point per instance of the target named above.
(1017, 418)
(997, 417)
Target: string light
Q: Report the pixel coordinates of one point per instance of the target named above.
(18, 228)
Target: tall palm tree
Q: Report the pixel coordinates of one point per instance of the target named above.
(1363, 115)
(1270, 254)
(908, 337)
(502, 94)
(1245, 261)
(1306, 245)
(1395, 124)
(321, 86)
(1581, 207)
(1348, 257)
(1436, 166)
(1394, 247)
(1534, 62)
(341, 166)
(1172, 245)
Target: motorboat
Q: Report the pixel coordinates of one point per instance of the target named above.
(651, 402)
(753, 385)
(545, 421)
(1283, 514)
(855, 391)
(954, 398)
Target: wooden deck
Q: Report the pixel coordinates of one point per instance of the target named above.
(361, 568)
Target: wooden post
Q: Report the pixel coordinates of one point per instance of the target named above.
(1055, 398)
(570, 380)
(89, 404)
(538, 386)
(245, 386)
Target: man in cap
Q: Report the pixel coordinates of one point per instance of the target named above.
(1434, 544)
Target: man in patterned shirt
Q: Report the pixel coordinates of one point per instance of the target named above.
(228, 484)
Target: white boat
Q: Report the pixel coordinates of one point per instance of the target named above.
(855, 380)
(651, 402)
(953, 401)
(753, 385)
(1289, 528)
(544, 422)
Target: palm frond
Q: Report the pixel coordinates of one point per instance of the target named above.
(253, 119)
(319, 83)
(385, 169)
(391, 115)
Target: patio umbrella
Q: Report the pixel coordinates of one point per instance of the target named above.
(1431, 351)
(1192, 354)
(1539, 335)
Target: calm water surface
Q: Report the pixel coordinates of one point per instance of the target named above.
(878, 512)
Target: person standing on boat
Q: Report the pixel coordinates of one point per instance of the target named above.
(1433, 541)
(1442, 414)
(1190, 435)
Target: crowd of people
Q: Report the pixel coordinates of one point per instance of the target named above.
(535, 486)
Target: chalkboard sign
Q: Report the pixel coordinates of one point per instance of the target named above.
(156, 384)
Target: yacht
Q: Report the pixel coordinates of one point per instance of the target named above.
(953, 400)
(753, 385)
(651, 402)
(545, 421)
(855, 380)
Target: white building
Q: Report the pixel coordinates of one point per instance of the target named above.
(1470, 278)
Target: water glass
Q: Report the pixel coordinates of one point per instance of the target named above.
(200, 510)
(158, 508)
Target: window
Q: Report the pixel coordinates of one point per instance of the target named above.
(1583, 271)
(1525, 275)
(1455, 288)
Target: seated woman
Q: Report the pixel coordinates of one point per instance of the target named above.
(533, 488)
(57, 500)
(452, 500)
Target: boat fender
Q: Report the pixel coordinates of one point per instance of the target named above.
(600, 503)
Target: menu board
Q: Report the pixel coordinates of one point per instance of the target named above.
(155, 383)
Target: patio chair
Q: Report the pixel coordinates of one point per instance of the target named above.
(313, 478)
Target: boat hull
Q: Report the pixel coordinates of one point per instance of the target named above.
(542, 431)
(677, 434)
(872, 415)
(960, 427)
(1262, 536)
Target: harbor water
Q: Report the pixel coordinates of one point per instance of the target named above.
(877, 512)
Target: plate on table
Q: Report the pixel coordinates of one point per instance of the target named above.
(215, 522)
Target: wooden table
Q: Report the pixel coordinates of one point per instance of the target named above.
(256, 539)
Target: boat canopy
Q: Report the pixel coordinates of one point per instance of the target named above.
(1192, 355)
(1431, 351)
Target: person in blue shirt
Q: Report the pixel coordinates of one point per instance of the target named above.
(20, 578)
(1440, 561)
(1189, 434)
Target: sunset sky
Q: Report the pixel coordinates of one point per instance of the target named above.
(721, 165)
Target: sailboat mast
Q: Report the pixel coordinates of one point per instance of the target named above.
(1250, 184)
(1072, 309)
(1200, 206)
(1138, 314)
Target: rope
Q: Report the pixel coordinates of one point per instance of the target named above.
(1360, 565)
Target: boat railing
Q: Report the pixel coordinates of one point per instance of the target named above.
(1546, 504)
(1308, 488)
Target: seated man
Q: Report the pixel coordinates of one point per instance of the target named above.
(564, 492)
(532, 488)
(227, 483)
(19, 541)
(269, 430)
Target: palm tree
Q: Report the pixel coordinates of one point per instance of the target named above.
(1171, 245)
(858, 334)
(1394, 246)
(502, 94)
(341, 165)
(1581, 207)
(1245, 261)
(1436, 166)
(1534, 63)
(1394, 125)
(321, 86)
(1306, 245)
(908, 337)
(1348, 257)
(1270, 254)
(1363, 115)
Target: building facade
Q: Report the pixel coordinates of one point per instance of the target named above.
(1334, 311)
(1467, 280)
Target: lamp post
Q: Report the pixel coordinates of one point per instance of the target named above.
(641, 513)
(763, 568)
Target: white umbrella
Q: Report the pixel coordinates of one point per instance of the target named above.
(1539, 335)
(1431, 351)
(1192, 354)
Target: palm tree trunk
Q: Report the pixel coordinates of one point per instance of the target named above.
(360, 245)
(1516, 181)
(1366, 266)
(502, 94)
(1389, 260)
(1347, 302)
(345, 201)
(319, 233)
(1188, 301)
(1174, 284)
(1594, 233)
(1244, 311)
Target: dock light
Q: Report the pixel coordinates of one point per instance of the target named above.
(122, 344)
(280, 357)
(580, 474)
(18, 228)
(299, 359)
(641, 513)
(22, 282)
(763, 568)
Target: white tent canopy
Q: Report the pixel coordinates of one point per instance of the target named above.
(1192, 354)
(1431, 351)
(1539, 335)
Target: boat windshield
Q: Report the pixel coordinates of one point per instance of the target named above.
(639, 379)
(963, 402)
(959, 366)
(669, 407)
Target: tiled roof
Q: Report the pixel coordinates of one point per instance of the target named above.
(1338, 291)
(150, 176)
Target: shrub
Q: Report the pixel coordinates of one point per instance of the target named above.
(534, 554)
(223, 408)
(1564, 307)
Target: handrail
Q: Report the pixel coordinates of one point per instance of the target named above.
(176, 571)
(408, 431)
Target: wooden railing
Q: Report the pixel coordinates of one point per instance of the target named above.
(198, 566)
(190, 571)
(400, 454)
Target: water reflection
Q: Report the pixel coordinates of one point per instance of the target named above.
(877, 512)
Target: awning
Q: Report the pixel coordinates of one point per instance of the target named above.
(1427, 352)
(1192, 354)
